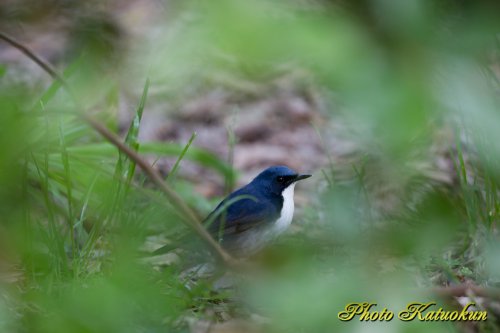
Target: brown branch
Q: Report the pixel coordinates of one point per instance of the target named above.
(30, 54)
(189, 216)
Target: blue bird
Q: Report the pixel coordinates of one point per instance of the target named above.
(254, 215)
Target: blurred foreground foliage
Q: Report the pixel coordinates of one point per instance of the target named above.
(399, 73)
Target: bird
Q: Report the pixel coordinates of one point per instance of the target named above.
(253, 216)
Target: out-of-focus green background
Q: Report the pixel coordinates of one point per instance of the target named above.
(392, 105)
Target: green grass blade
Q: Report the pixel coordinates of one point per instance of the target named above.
(98, 151)
(171, 174)
(133, 133)
(52, 90)
(125, 167)
(69, 190)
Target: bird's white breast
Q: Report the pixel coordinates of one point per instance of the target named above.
(253, 240)
(286, 211)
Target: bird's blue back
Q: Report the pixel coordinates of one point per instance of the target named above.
(241, 217)
(250, 206)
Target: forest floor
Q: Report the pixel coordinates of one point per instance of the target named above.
(285, 120)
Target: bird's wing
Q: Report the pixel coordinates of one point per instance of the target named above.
(240, 215)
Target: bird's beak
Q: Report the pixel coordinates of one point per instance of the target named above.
(300, 177)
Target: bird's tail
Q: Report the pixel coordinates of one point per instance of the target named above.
(185, 241)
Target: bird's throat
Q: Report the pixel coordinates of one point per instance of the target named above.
(286, 210)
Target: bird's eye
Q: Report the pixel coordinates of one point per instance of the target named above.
(281, 179)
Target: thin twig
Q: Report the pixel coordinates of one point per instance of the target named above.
(189, 216)
(40, 62)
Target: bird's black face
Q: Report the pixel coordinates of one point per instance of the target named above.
(287, 180)
(279, 178)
